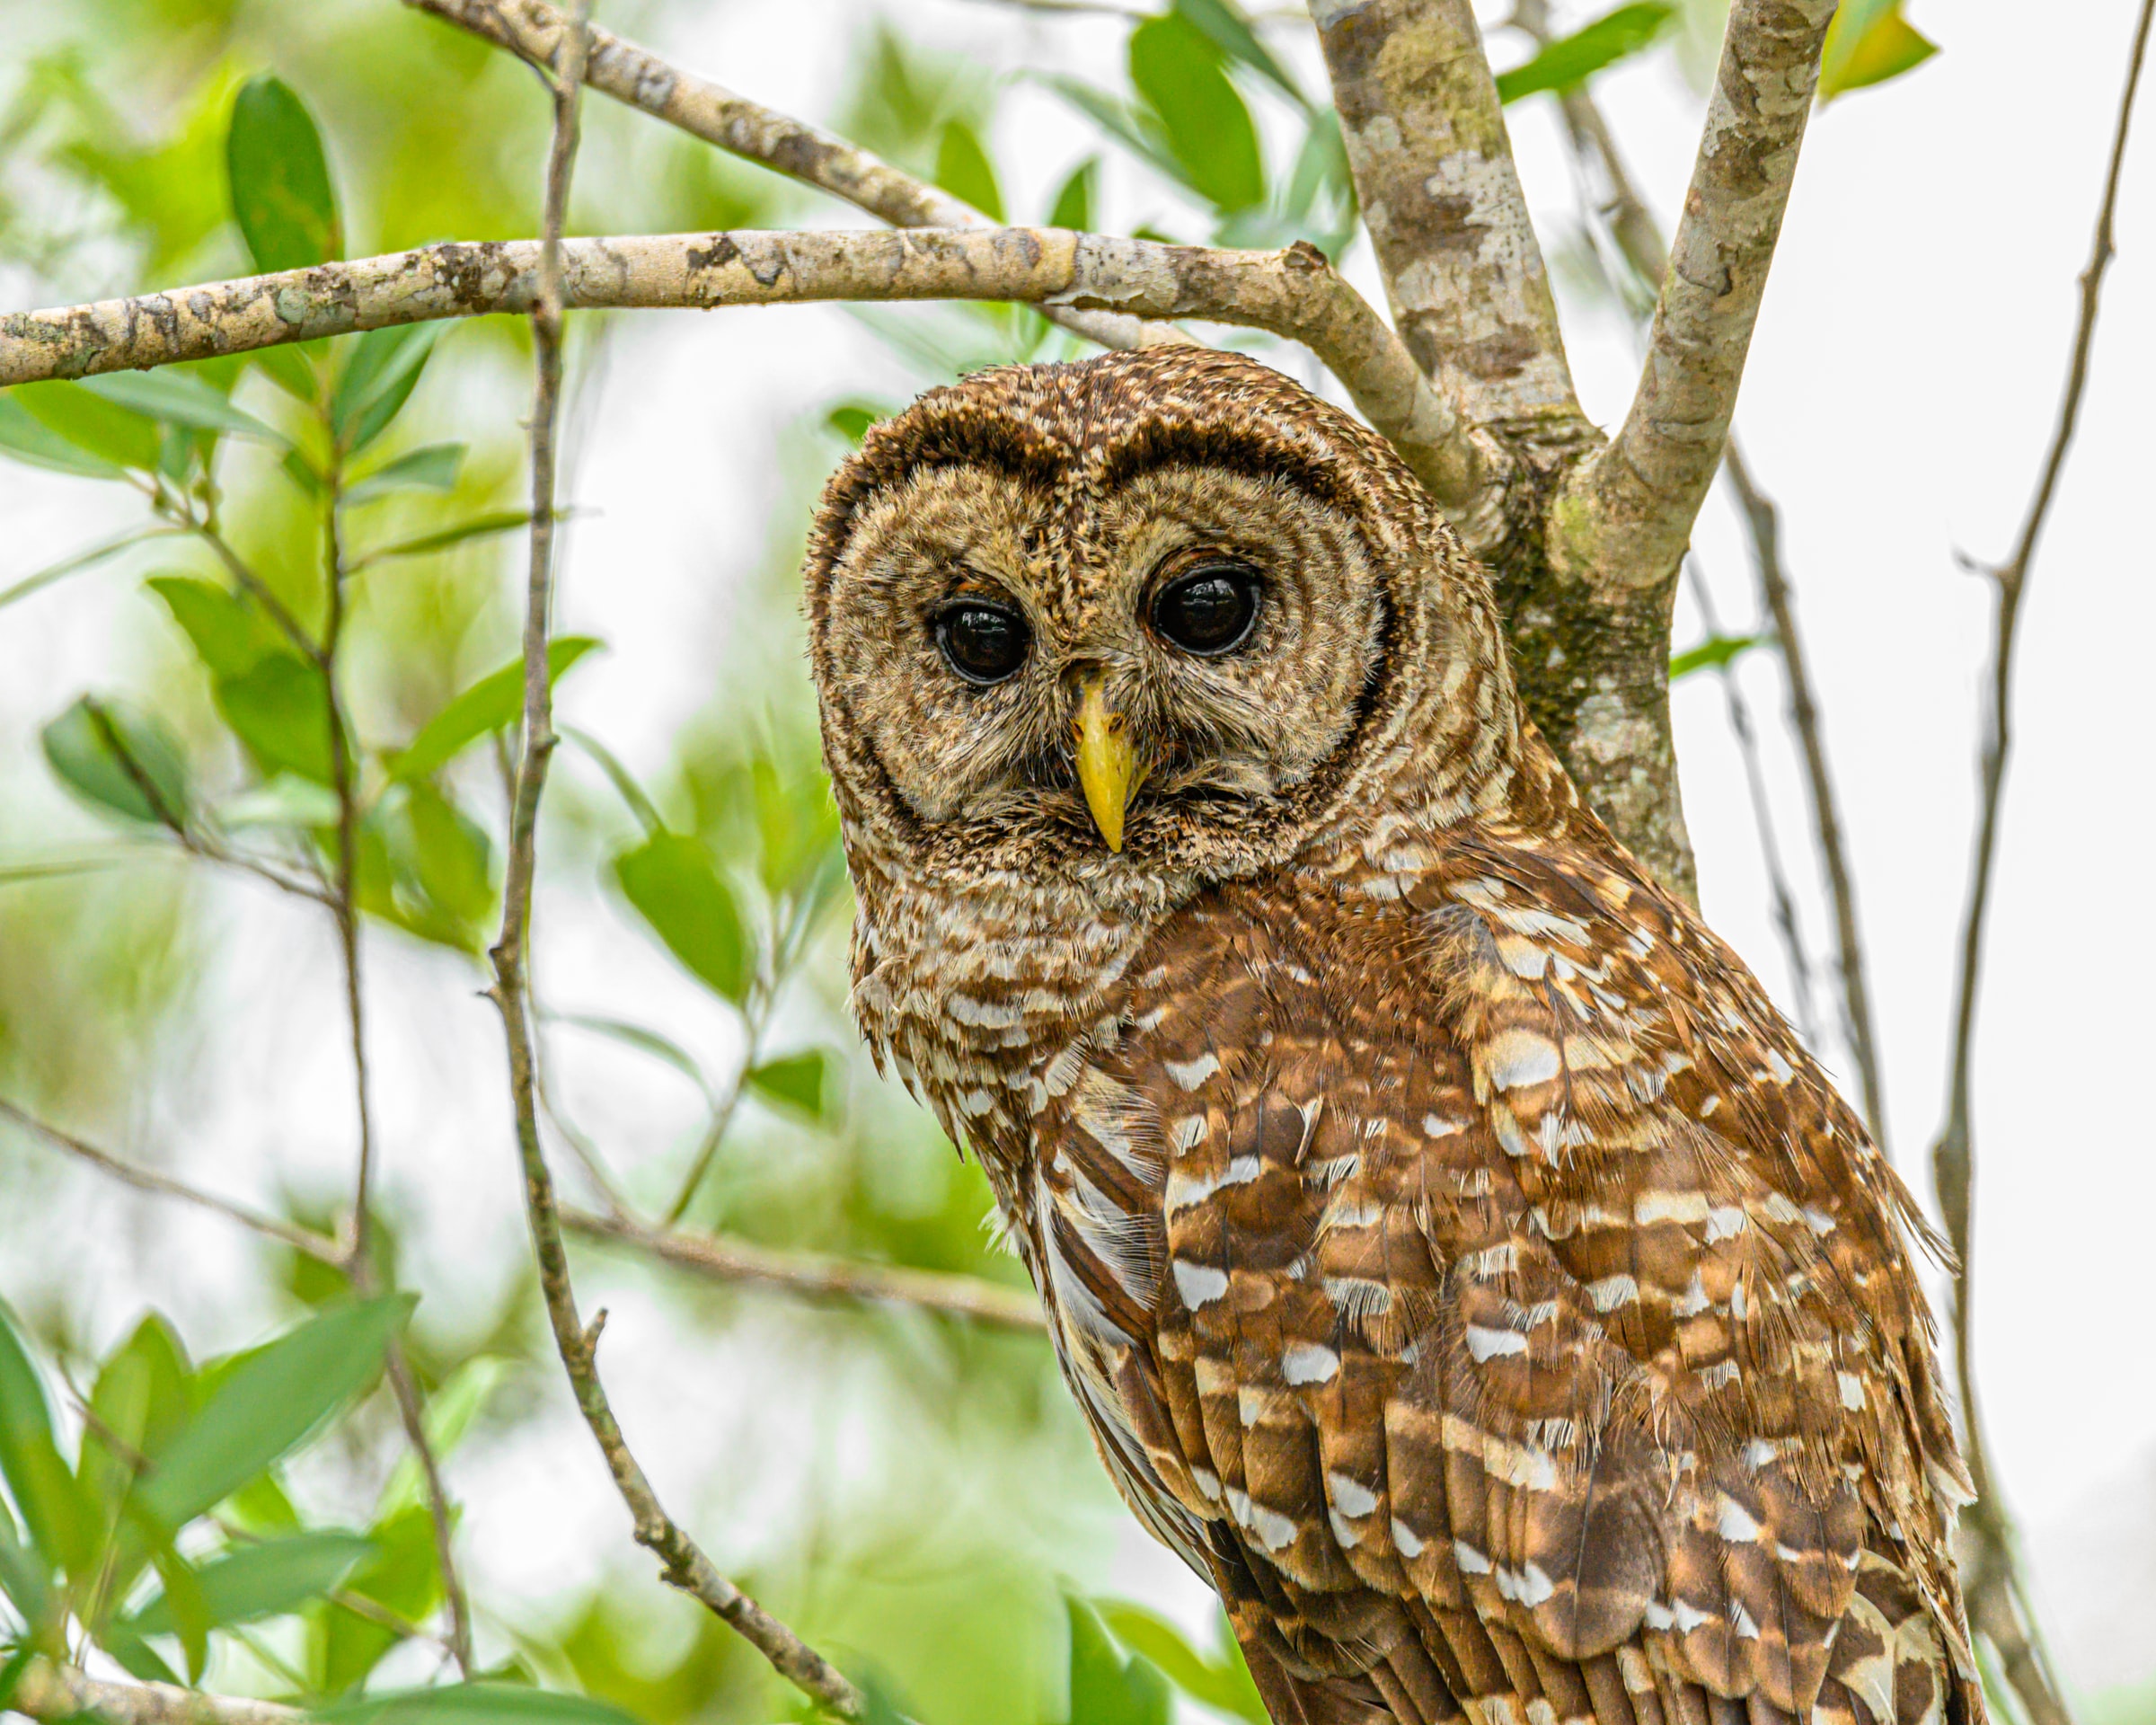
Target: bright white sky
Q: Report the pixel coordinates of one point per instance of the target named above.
(1901, 390)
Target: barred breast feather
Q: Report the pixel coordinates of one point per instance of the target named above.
(1466, 1271)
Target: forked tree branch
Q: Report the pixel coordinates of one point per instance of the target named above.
(1998, 1604)
(683, 1562)
(1294, 293)
(816, 1276)
(1434, 174)
(1643, 251)
(1628, 514)
(535, 31)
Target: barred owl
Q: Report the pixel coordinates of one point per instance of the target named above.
(1456, 1259)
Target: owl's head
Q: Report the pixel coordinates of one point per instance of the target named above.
(1152, 619)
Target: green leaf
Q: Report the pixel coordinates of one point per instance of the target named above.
(479, 526)
(964, 169)
(1573, 59)
(494, 703)
(142, 1399)
(477, 1704)
(852, 419)
(266, 1580)
(25, 1582)
(119, 761)
(674, 885)
(281, 195)
(279, 708)
(1868, 42)
(1073, 205)
(796, 1083)
(27, 437)
(431, 467)
(76, 561)
(644, 1041)
(427, 868)
(284, 800)
(267, 1404)
(1202, 117)
(229, 632)
(1138, 132)
(99, 428)
(404, 1575)
(1226, 28)
(1716, 650)
(378, 377)
(187, 1611)
(1104, 1690)
(39, 1480)
(287, 367)
(175, 398)
(1223, 1683)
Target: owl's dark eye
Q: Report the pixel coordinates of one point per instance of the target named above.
(1209, 609)
(983, 642)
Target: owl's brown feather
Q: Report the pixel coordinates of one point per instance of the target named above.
(1456, 1256)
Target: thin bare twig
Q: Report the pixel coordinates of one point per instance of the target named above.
(1855, 993)
(818, 1276)
(684, 1565)
(1998, 1602)
(536, 32)
(319, 1247)
(1294, 293)
(1783, 901)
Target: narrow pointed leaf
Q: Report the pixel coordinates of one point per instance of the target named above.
(174, 398)
(39, 1480)
(104, 429)
(1224, 26)
(1573, 59)
(964, 169)
(432, 467)
(268, 1403)
(492, 703)
(1201, 114)
(281, 195)
(1715, 652)
(27, 437)
(266, 1580)
(796, 1083)
(676, 886)
(118, 760)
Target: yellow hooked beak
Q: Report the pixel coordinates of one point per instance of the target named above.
(1108, 762)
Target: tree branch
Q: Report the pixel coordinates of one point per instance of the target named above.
(1764, 522)
(684, 1565)
(1434, 174)
(1293, 293)
(1639, 238)
(319, 1247)
(818, 1276)
(535, 31)
(59, 1692)
(1998, 1604)
(1627, 515)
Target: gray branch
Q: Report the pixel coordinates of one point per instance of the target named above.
(1292, 293)
(535, 31)
(47, 1691)
(1628, 514)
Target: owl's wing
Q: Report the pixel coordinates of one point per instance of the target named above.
(1475, 1359)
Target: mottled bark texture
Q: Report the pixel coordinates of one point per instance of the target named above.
(536, 32)
(1433, 167)
(1590, 536)
(60, 1692)
(1293, 293)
